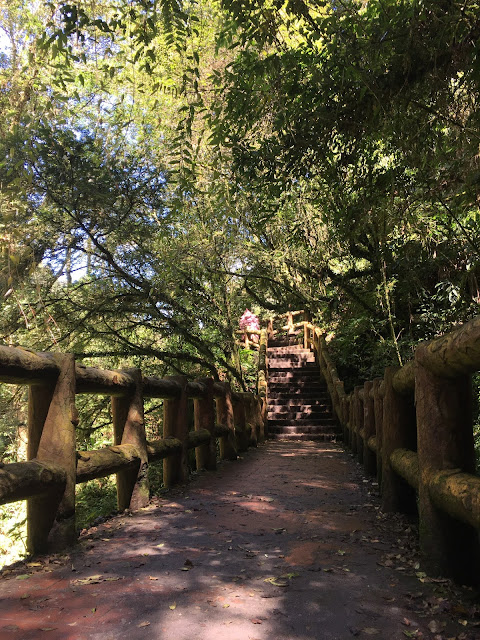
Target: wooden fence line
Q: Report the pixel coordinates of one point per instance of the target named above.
(47, 480)
(413, 429)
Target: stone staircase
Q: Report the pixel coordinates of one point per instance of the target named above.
(299, 406)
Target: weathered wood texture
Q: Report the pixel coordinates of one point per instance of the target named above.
(369, 455)
(228, 449)
(175, 425)
(239, 418)
(405, 463)
(21, 366)
(52, 421)
(378, 414)
(398, 432)
(445, 442)
(129, 428)
(99, 463)
(21, 480)
(262, 376)
(204, 419)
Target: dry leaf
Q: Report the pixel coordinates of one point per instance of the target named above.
(173, 606)
(371, 631)
(143, 624)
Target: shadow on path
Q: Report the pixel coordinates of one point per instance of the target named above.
(286, 543)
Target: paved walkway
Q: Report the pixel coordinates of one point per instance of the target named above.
(286, 543)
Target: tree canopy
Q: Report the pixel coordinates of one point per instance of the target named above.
(165, 164)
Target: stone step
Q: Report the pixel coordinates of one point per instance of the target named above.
(278, 363)
(296, 428)
(289, 350)
(286, 405)
(299, 394)
(278, 411)
(317, 437)
(308, 387)
(300, 418)
(296, 357)
(304, 423)
(284, 342)
(292, 380)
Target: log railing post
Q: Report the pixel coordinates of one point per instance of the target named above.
(354, 400)
(204, 418)
(228, 450)
(351, 439)
(398, 432)
(250, 419)
(175, 425)
(359, 422)
(240, 421)
(260, 405)
(52, 421)
(369, 456)
(445, 441)
(129, 428)
(378, 411)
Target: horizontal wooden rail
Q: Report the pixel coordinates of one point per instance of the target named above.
(21, 480)
(405, 463)
(413, 429)
(48, 479)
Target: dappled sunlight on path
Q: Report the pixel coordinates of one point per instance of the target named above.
(286, 544)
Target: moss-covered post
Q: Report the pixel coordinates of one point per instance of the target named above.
(359, 421)
(445, 441)
(354, 421)
(351, 421)
(378, 411)
(129, 428)
(51, 428)
(250, 420)
(175, 425)
(369, 456)
(261, 412)
(240, 420)
(346, 418)
(204, 418)
(398, 431)
(228, 450)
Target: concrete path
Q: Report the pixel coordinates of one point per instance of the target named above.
(286, 543)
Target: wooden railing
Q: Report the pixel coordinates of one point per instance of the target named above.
(413, 429)
(47, 480)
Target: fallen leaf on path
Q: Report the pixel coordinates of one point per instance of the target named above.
(371, 631)
(94, 580)
(173, 606)
(277, 582)
(143, 624)
(24, 576)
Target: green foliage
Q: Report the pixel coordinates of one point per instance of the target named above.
(95, 499)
